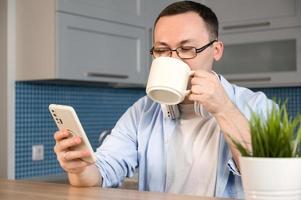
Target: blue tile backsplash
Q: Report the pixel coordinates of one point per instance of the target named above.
(291, 94)
(98, 108)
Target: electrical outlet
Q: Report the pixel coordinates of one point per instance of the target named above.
(38, 152)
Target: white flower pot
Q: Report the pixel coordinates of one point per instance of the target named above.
(271, 178)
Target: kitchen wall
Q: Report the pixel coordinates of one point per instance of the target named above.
(291, 94)
(7, 93)
(98, 108)
(3, 88)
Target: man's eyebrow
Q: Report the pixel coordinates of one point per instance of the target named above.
(161, 43)
(179, 44)
(185, 42)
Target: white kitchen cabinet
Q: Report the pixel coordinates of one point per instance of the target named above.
(262, 41)
(262, 58)
(82, 40)
(100, 50)
(246, 15)
(154, 7)
(122, 11)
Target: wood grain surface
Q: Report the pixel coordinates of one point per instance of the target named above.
(25, 190)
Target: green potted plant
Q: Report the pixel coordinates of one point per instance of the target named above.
(272, 168)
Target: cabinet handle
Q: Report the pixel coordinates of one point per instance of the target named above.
(262, 79)
(102, 75)
(243, 26)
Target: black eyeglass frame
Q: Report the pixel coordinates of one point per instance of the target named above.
(197, 50)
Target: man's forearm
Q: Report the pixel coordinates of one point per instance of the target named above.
(233, 123)
(89, 177)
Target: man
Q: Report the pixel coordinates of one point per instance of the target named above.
(192, 154)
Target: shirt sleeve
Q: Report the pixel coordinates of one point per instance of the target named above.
(233, 168)
(248, 101)
(117, 157)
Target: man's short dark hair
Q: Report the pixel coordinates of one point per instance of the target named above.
(203, 11)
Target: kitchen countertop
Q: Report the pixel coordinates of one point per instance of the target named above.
(62, 178)
(28, 190)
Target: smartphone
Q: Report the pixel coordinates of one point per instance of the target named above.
(66, 118)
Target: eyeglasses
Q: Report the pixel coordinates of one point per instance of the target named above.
(184, 52)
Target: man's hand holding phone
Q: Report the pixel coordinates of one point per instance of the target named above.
(70, 158)
(72, 147)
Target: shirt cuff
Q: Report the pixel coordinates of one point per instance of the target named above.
(233, 168)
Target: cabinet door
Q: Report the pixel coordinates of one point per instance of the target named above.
(246, 15)
(99, 50)
(153, 9)
(263, 58)
(124, 11)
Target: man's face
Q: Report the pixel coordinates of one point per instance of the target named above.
(187, 29)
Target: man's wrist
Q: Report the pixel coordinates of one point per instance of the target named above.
(225, 110)
(90, 176)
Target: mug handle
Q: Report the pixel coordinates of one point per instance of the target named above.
(187, 92)
(191, 73)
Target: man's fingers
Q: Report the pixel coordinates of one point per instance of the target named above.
(196, 89)
(65, 144)
(202, 73)
(196, 97)
(70, 160)
(74, 165)
(73, 155)
(59, 135)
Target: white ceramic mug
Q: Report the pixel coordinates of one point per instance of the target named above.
(168, 80)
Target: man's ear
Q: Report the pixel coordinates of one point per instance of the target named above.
(218, 50)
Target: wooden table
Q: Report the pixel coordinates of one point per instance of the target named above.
(15, 190)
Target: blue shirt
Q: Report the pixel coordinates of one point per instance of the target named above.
(139, 139)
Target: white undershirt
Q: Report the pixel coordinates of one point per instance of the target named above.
(192, 154)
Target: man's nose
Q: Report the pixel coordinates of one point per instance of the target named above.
(174, 54)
